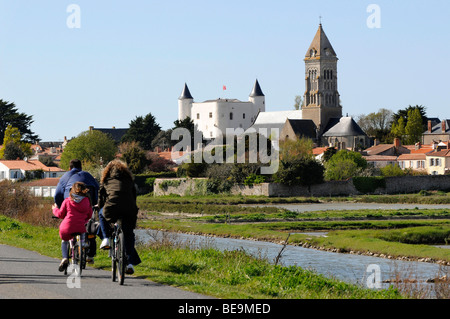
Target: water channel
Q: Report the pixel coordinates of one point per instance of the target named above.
(347, 267)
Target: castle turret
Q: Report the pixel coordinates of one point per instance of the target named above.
(257, 98)
(185, 104)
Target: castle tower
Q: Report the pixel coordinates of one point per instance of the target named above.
(258, 98)
(321, 98)
(185, 104)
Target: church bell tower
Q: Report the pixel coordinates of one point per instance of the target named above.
(321, 98)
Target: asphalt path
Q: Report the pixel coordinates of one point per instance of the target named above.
(28, 275)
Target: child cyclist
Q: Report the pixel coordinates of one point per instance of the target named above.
(75, 211)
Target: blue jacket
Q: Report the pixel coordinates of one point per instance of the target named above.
(71, 177)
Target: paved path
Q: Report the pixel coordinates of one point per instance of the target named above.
(27, 274)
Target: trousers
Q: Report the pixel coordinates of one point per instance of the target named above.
(105, 231)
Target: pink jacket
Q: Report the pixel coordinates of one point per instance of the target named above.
(75, 215)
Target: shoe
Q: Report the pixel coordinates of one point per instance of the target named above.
(63, 265)
(129, 270)
(105, 244)
(90, 260)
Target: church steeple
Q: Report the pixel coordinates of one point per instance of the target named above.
(320, 47)
(321, 98)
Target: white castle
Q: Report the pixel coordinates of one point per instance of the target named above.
(213, 117)
(320, 117)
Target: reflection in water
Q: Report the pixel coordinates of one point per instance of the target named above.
(346, 267)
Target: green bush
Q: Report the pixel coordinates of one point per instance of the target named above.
(253, 179)
(145, 181)
(343, 165)
(392, 170)
(304, 172)
(367, 185)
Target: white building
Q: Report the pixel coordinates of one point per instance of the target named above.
(17, 170)
(213, 117)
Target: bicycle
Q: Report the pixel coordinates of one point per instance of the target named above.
(117, 253)
(77, 254)
(76, 251)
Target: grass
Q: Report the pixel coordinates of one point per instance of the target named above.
(229, 274)
(26, 223)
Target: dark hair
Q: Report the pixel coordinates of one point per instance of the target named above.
(79, 188)
(75, 163)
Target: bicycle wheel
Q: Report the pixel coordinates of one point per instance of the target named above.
(113, 252)
(69, 254)
(121, 258)
(77, 258)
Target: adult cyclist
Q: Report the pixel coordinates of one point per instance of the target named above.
(76, 174)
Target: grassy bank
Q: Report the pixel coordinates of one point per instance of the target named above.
(379, 232)
(208, 271)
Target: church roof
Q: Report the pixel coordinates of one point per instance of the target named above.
(345, 126)
(303, 127)
(320, 45)
(256, 90)
(274, 120)
(185, 94)
(278, 117)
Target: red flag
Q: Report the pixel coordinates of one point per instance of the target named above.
(224, 87)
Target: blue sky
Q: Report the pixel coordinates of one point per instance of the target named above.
(131, 58)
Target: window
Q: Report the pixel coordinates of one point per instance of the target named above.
(231, 115)
(243, 116)
(198, 116)
(210, 115)
(432, 162)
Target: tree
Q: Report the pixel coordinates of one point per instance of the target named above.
(398, 128)
(300, 148)
(142, 130)
(298, 102)
(14, 147)
(377, 124)
(91, 147)
(328, 154)
(136, 158)
(188, 124)
(414, 127)
(404, 114)
(344, 164)
(9, 115)
(302, 171)
(163, 140)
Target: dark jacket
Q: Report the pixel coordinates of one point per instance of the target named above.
(68, 179)
(117, 196)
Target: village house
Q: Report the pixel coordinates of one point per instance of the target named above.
(43, 187)
(438, 162)
(437, 133)
(27, 169)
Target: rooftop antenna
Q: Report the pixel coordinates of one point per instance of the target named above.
(320, 20)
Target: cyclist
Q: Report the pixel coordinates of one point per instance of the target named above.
(75, 211)
(117, 200)
(76, 174)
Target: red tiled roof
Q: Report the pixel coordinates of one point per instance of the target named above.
(319, 150)
(43, 182)
(442, 153)
(411, 157)
(373, 158)
(30, 165)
